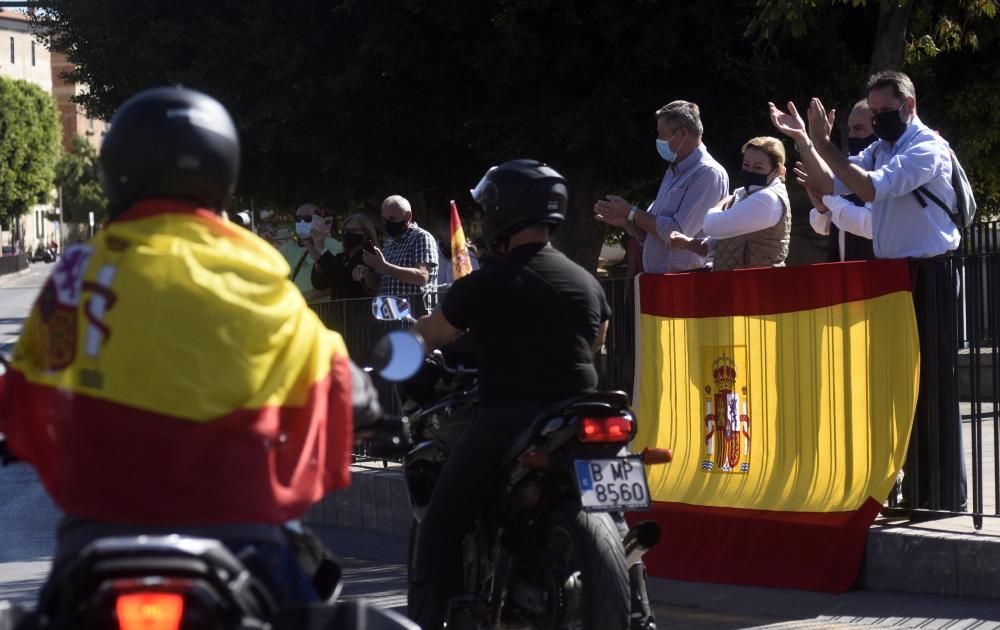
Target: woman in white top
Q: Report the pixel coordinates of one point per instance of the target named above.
(751, 227)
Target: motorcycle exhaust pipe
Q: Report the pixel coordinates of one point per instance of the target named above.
(639, 540)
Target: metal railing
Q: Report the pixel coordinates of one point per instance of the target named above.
(975, 378)
(12, 263)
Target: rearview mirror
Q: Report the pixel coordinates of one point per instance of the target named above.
(391, 309)
(398, 356)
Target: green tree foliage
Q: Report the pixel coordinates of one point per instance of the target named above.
(76, 177)
(29, 146)
(948, 47)
(345, 102)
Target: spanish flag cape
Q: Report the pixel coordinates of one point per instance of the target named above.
(170, 373)
(787, 396)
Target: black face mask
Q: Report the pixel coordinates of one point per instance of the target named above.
(749, 178)
(353, 240)
(394, 228)
(857, 145)
(888, 125)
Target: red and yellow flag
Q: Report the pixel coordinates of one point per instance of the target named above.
(787, 396)
(170, 372)
(460, 261)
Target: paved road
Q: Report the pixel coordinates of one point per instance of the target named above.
(17, 294)
(374, 563)
(27, 515)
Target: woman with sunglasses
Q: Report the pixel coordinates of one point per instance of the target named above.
(334, 271)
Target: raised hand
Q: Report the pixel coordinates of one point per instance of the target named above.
(612, 210)
(820, 122)
(801, 175)
(790, 124)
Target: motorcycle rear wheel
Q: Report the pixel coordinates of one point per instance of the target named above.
(588, 543)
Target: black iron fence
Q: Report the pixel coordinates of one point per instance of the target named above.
(12, 263)
(976, 265)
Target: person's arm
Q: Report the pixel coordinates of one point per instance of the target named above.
(614, 211)
(705, 190)
(820, 221)
(906, 172)
(849, 217)
(602, 336)
(792, 125)
(419, 275)
(750, 214)
(698, 246)
(436, 330)
(321, 272)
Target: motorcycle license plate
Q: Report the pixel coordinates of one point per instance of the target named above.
(609, 485)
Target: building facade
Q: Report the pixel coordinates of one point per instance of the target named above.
(22, 56)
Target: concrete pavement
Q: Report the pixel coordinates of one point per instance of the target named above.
(375, 568)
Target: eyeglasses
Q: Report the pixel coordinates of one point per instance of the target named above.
(304, 218)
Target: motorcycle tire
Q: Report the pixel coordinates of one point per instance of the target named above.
(589, 542)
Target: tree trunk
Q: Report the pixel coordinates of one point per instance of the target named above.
(890, 39)
(581, 236)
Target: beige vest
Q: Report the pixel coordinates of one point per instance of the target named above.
(763, 248)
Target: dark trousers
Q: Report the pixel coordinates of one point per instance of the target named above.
(468, 479)
(935, 463)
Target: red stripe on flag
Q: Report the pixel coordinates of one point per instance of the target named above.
(107, 461)
(802, 550)
(769, 291)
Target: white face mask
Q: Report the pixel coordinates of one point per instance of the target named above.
(303, 229)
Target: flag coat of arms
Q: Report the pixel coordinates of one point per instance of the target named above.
(787, 396)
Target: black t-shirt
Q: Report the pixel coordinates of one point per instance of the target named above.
(534, 315)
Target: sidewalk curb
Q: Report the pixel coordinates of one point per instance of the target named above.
(376, 500)
(930, 562)
(4, 277)
(897, 559)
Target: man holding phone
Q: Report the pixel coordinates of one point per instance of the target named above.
(409, 265)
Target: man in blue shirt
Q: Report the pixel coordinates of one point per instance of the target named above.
(888, 173)
(693, 183)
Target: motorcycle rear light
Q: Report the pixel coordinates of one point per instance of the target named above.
(149, 611)
(612, 429)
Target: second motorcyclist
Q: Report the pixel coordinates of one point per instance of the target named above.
(535, 318)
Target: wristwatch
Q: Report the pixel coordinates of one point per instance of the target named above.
(631, 214)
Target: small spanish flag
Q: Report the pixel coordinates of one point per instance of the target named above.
(787, 396)
(460, 261)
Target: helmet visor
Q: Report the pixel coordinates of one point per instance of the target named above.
(485, 193)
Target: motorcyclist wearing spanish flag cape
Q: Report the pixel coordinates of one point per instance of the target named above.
(170, 378)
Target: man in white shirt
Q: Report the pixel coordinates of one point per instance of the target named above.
(908, 157)
(846, 219)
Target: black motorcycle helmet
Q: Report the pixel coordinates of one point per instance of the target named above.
(517, 194)
(170, 142)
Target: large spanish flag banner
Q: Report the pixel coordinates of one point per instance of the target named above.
(787, 396)
(170, 372)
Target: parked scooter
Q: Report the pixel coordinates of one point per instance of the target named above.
(548, 552)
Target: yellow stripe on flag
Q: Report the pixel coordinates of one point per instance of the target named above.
(827, 407)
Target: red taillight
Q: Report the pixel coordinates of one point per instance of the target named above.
(149, 611)
(611, 429)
